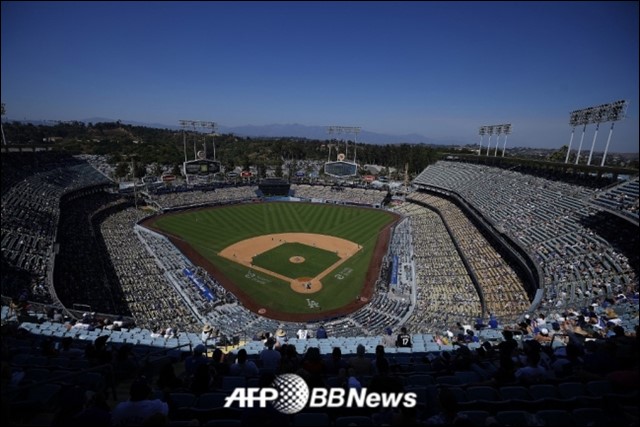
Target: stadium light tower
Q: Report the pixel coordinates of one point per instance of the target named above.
(616, 112)
(574, 120)
(584, 120)
(599, 114)
(185, 124)
(506, 129)
(490, 132)
(347, 130)
(482, 133)
(498, 131)
(212, 126)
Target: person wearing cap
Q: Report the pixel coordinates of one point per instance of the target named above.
(387, 338)
(207, 335)
(281, 338)
(543, 337)
(139, 408)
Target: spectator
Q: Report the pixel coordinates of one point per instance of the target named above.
(270, 358)
(321, 333)
(243, 367)
(207, 335)
(281, 338)
(493, 322)
(139, 407)
(360, 364)
(302, 333)
(199, 357)
(387, 339)
(404, 339)
(336, 363)
(313, 364)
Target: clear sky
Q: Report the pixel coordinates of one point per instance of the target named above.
(438, 69)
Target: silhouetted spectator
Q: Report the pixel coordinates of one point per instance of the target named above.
(139, 407)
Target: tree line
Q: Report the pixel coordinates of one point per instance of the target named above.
(123, 142)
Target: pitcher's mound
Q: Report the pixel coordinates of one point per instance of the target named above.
(306, 285)
(297, 259)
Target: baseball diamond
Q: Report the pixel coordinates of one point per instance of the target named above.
(273, 255)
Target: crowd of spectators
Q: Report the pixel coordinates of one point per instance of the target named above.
(32, 185)
(70, 379)
(149, 297)
(340, 194)
(213, 196)
(444, 290)
(104, 265)
(502, 289)
(622, 199)
(583, 254)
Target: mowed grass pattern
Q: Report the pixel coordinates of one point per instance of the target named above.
(277, 260)
(209, 231)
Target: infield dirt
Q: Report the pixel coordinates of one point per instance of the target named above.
(243, 252)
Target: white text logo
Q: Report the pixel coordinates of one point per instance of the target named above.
(289, 394)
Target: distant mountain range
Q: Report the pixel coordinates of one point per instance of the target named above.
(320, 132)
(283, 130)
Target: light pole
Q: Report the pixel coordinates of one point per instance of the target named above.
(611, 112)
(507, 130)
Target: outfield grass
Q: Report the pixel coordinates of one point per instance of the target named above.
(209, 231)
(277, 260)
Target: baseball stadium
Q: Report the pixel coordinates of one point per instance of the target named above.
(476, 252)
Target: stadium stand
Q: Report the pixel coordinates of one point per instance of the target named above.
(572, 361)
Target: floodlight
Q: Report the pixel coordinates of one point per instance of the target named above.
(506, 129)
(347, 130)
(574, 118)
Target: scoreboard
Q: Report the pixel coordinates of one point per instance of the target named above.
(201, 167)
(340, 168)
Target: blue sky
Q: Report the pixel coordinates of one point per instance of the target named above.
(437, 69)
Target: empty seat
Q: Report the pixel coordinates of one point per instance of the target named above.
(571, 390)
(419, 380)
(183, 400)
(448, 380)
(599, 388)
(514, 393)
(210, 401)
(483, 393)
(231, 383)
(467, 377)
(311, 419)
(354, 421)
(556, 417)
(513, 418)
(591, 417)
(543, 391)
(477, 418)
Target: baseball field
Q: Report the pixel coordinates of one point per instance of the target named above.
(285, 260)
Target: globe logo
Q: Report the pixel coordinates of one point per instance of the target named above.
(293, 393)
